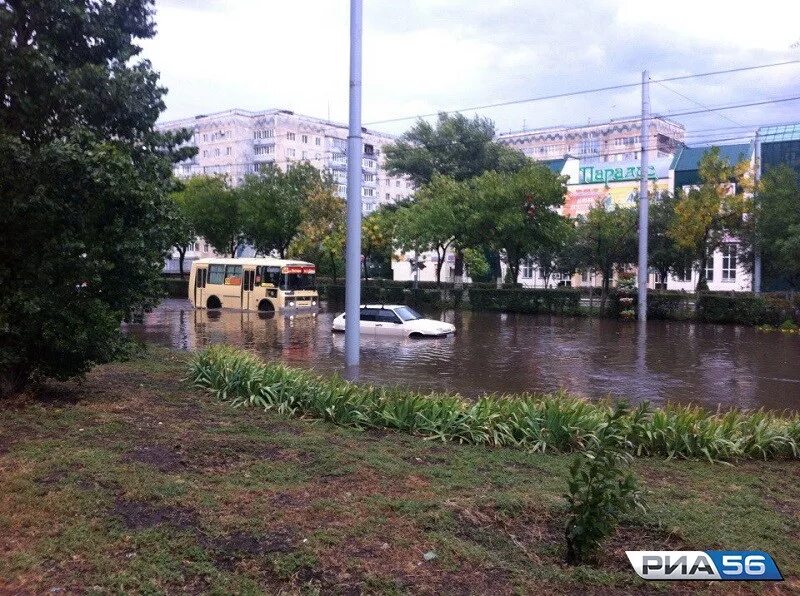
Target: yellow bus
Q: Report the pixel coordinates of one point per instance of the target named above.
(263, 284)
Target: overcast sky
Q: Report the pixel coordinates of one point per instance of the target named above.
(426, 55)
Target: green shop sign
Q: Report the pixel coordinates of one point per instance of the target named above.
(593, 175)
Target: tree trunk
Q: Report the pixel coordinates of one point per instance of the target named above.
(439, 265)
(604, 291)
(181, 257)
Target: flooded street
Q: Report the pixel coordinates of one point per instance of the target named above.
(492, 352)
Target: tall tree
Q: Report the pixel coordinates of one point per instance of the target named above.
(321, 234)
(455, 146)
(272, 205)
(182, 227)
(213, 210)
(551, 257)
(434, 220)
(665, 255)
(778, 224)
(713, 212)
(377, 235)
(84, 187)
(515, 212)
(607, 240)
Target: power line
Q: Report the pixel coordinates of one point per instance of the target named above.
(733, 106)
(581, 92)
(697, 103)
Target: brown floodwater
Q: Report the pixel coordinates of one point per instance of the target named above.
(493, 352)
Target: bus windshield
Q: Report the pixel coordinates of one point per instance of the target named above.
(299, 281)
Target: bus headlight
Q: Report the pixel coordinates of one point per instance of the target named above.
(313, 303)
(291, 302)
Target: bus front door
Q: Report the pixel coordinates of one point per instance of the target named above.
(248, 282)
(200, 281)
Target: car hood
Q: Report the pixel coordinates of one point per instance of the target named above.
(429, 326)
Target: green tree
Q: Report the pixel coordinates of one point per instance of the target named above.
(665, 255)
(713, 211)
(778, 224)
(85, 183)
(377, 236)
(181, 225)
(213, 210)
(272, 205)
(434, 220)
(554, 256)
(514, 212)
(607, 240)
(321, 235)
(455, 146)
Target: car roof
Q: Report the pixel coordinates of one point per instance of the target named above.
(382, 305)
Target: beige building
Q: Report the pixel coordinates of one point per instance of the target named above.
(238, 142)
(613, 141)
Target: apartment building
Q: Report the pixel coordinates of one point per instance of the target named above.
(613, 141)
(237, 142)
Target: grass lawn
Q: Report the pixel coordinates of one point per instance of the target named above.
(132, 481)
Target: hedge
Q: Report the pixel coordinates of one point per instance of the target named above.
(530, 301)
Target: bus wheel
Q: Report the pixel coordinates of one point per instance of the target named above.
(213, 302)
(266, 306)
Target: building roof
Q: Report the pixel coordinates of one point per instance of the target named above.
(688, 158)
(775, 134)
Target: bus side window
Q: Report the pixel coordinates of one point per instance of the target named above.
(233, 275)
(216, 274)
(200, 277)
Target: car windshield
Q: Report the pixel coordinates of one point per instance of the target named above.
(407, 314)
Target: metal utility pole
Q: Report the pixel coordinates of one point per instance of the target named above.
(352, 295)
(757, 256)
(644, 207)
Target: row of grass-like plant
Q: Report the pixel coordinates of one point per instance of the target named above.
(552, 422)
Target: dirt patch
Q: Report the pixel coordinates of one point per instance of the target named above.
(227, 551)
(136, 515)
(164, 458)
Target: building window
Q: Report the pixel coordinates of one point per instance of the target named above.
(317, 141)
(369, 192)
(527, 268)
(290, 152)
(397, 183)
(709, 265)
(685, 275)
(368, 177)
(388, 197)
(265, 150)
(304, 139)
(290, 136)
(585, 276)
(729, 262)
(227, 150)
(216, 152)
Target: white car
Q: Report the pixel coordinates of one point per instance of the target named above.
(396, 319)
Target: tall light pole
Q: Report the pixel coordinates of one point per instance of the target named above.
(757, 176)
(644, 207)
(352, 295)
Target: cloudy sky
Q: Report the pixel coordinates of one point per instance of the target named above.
(421, 56)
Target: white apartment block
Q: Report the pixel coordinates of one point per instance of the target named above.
(237, 142)
(615, 140)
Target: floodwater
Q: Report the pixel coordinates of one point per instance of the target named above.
(493, 352)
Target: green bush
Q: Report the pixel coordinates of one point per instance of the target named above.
(742, 308)
(529, 301)
(175, 287)
(550, 422)
(601, 487)
(662, 305)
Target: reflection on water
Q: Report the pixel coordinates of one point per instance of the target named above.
(675, 361)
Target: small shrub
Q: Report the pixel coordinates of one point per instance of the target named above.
(601, 488)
